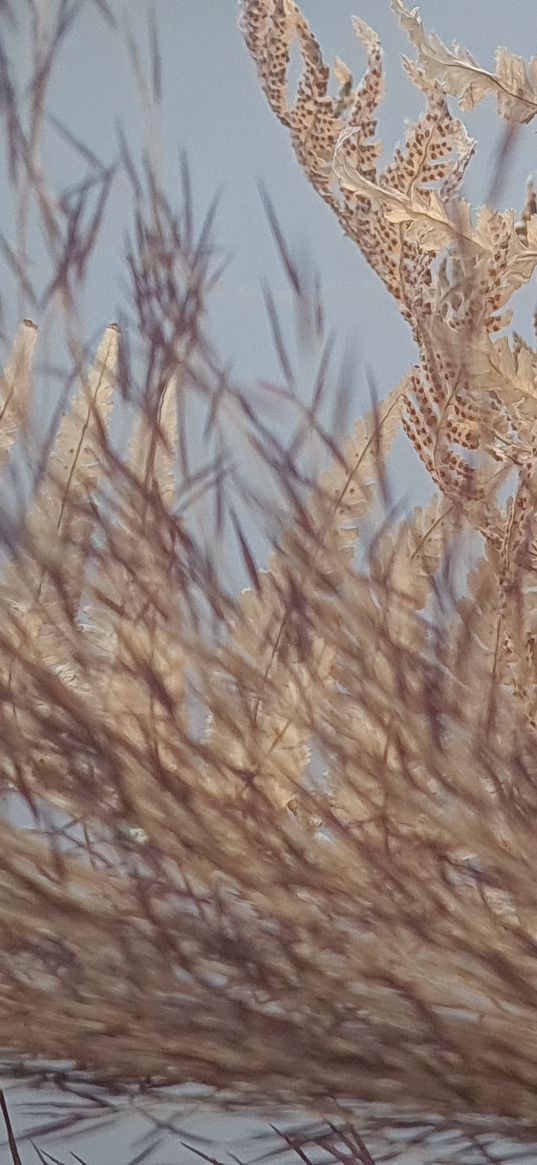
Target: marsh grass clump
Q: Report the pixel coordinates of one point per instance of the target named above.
(279, 842)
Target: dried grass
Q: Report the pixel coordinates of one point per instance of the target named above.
(281, 843)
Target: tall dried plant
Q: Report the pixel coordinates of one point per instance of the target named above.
(325, 895)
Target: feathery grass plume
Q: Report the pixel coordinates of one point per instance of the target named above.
(280, 847)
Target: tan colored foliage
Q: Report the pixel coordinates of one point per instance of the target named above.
(326, 896)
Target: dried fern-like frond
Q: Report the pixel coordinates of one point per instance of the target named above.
(456, 402)
(514, 84)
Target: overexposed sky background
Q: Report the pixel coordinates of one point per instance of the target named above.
(214, 110)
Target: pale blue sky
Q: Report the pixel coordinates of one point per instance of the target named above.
(213, 108)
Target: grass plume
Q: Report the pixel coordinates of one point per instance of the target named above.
(274, 844)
